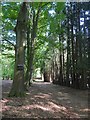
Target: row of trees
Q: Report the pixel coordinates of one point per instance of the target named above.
(51, 36)
(71, 66)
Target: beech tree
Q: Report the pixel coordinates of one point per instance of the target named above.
(20, 29)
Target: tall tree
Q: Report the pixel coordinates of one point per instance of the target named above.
(20, 29)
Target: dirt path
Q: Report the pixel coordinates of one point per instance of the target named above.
(45, 100)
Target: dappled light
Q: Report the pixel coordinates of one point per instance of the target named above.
(46, 99)
(4, 108)
(42, 96)
(45, 59)
(85, 110)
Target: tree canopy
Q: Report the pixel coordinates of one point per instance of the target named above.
(51, 36)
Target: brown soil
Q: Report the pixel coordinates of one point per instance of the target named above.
(45, 100)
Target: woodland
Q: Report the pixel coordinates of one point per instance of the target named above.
(47, 41)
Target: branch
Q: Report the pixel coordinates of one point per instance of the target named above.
(45, 4)
(40, 7)
(37, 15)
(42, 26)
(9, 42)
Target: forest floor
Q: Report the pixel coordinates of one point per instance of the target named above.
(45, 100)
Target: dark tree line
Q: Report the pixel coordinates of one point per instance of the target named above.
(74, 59)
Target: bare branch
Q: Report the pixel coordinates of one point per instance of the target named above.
(9, 42)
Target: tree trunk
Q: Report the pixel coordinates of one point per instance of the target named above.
(88, 67)
(17, 89)
(68, 52)
(73, 59)
(63, 68)
(32, 42)
(60, 60)
(27, 57)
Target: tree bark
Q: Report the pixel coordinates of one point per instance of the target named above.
(72, 44)
(17, 89)
(61, 67)
(32, 42)
(68, 51)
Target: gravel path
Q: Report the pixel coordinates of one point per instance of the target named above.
(46, 100)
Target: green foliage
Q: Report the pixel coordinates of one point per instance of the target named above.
(9, 15)
(47, 33)
(7, 67)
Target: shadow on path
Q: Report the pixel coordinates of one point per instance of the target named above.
(46, 100)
